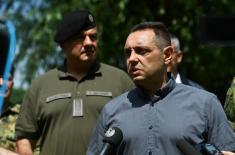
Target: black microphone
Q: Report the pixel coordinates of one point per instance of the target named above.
(186, 148)
(113, 138)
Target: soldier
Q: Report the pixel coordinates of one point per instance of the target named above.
(62, 106)
(230, 104)
(8, 119)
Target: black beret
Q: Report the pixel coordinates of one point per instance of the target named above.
(73, 24)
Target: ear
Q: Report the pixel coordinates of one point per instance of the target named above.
(180, 56)
(167, 53)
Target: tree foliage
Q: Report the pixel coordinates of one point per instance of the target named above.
(35, 21)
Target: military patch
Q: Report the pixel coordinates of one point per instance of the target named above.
(58, 96)
(99, 93)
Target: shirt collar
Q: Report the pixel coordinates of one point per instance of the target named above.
(162, 92)
(93, 71)
(178, 78)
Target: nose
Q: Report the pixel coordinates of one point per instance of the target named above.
(87, 41)
(133, 56)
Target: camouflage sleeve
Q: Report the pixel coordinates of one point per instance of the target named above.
(229, 106)
(7, 128)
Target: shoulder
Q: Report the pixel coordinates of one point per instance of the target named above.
(200, 95)
(48, 77)
(233, 84)
(111, 69)
(194, 84)
(186, 81)
(42, 83)
(201, 101)
(117, 77)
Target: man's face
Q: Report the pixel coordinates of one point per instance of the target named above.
(177, 57)
(83, 47)
(145, 61)
(9, 86)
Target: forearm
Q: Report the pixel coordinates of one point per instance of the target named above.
(25, 146)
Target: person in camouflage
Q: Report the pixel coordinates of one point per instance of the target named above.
(7, 127)
(8, 119)
(229, 106)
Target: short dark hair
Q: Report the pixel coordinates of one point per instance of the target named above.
(160, 30)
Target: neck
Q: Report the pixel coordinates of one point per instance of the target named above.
(152, 87)
(78, 69)
(174, 73)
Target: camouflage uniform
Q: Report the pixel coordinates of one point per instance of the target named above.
(230, 104)
(7, 128)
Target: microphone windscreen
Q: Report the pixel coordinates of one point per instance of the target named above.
(186, 148)
(113, 136)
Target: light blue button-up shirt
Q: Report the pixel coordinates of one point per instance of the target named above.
(151, 126)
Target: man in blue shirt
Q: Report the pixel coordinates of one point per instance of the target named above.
(159, 112)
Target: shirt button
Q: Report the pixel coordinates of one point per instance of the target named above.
(150, 153)
(150, 127)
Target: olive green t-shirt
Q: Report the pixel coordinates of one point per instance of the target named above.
(62, 111)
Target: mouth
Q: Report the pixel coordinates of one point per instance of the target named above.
(135, 71)
(88, 52)
(89, 49)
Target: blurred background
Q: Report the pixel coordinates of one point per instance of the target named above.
(211, 64)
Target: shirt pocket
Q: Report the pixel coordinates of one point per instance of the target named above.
(56, 105)
(97, 99)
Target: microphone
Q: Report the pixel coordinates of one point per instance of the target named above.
(209, 149)
(113, 138)
(186, 148)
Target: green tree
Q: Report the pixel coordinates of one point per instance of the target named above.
(212, 67)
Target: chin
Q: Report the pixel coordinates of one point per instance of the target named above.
(137, 79)
(88, 58)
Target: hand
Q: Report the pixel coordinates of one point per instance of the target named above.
(228, 153)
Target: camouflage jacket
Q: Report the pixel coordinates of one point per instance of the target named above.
(229, 106)
(7, 127)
